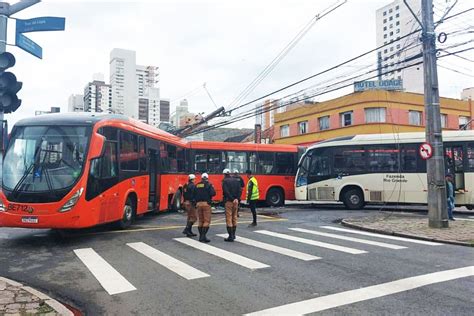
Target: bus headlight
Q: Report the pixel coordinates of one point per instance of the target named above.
(2, 206)
(72, 201)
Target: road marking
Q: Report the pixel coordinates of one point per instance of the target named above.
(277, 249)
(224, 254)
(312, 242)
(464, 219)
(110, 279)
(352, 231)
(363, 241)
(178, 267)
(349, 297)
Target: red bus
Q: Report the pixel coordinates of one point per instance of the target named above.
(81, 170)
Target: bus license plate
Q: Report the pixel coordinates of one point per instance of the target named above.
(29, 220)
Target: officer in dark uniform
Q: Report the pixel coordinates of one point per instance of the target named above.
(231, 192)
(242, 186)
(188, 195)
(203, 194)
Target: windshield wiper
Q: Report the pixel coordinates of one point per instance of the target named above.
(22, 179)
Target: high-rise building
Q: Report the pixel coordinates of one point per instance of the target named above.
(76, 103)
(147, 77)
(467, 94)
(98, 97)
(394, 21)
(54, 109)
(123, 79)
(164, 110)
(181, 111)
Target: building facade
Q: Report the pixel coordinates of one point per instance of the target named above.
(394, 21)
(467, 94)
(367, 112)
(76, 103)
(98, 97)
(182, 111)
(165, 110)
(54, 109)
(123, 79)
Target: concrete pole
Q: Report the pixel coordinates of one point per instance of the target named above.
(4, 13)
(437, 202)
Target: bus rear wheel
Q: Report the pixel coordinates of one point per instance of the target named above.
(127, 215)
(275, 197)
(353, 199)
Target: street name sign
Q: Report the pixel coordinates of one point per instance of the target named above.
(28, 45)
(45, 23)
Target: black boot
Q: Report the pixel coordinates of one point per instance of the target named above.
(186, 229)
(200, 233)
(231, 236)
(190, 233)
(233, 232)
(203, 237)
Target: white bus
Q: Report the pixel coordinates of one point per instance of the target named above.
(382, 168)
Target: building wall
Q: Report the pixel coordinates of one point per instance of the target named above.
(396, 17)
(76, 103)
(467, 94)
(97, 97)
(123, 81)
(164, 110)
(396, 104)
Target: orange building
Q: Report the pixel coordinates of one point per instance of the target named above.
(367, 112)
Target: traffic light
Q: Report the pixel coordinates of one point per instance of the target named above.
(9, 86)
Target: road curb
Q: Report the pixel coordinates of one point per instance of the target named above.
(54, 304)
(392, 233)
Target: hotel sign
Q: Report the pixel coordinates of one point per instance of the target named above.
(394, 84)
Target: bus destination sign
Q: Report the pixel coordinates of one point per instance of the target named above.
(394, 84)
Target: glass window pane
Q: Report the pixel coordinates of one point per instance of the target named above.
(382, 159)
(285, 163)
(128, 151)
(236, 160)
(349, 160)
(265, 163)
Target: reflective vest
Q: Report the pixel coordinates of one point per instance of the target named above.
(254, 195)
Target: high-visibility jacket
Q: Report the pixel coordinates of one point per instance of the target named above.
(252, 189)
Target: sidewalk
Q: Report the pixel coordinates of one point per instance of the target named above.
(17, 299)
(460, 232)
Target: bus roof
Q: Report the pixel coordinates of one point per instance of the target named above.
(390, 138)
(241, 146)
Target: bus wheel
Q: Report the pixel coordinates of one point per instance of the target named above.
(353, 199)
(275, 197)
(128, 214)
(176, 202)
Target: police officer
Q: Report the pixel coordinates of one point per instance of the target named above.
(231, 192)
(242, 186)
(188, 194)
(203, 194)
(252, 196)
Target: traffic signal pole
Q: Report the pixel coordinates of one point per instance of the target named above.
(4, 13)
(437, 200)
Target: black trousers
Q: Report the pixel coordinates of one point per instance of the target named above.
(253, 208)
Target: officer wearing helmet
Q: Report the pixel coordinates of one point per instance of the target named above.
(231, 192)
(242, 186)
(188, 195)
(203, 194)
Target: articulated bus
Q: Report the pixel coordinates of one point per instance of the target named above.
(382, 168)
(81, 170)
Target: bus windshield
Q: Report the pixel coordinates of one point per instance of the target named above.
(44, 158)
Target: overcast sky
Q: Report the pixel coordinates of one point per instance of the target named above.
(223, 43)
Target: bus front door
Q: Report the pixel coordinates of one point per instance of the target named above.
(454, 160)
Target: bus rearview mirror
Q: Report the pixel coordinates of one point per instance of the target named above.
(96, 146)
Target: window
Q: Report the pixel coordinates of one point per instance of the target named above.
(390, 10)
(397, 7)
(349, 160)
(470, 156)
(284, 131)
(320, 162)
(384, 20)
(414, 117)
(253, 162)
(346, 118)
(385, 36)
(382, 158)
(444, 120)
(397, 15)
(208, 161)
(302, 127)
(391, 26)
(391, 49)
(265, 162)
(384, 13)
(236, 160)
(103, 173)
(323, 123)
(408, 158)
(398, 31)
(391, 33)
(384, 28)
(128, 151)
(375, 115)
(385, 50)
(463, 120)
(397, 23)
(390, 18)
(285, 163)
(142, 154)
(398, 46)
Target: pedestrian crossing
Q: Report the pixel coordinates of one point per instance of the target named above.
(113, 282)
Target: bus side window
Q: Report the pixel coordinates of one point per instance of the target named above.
(142, 153)
(253, 162)
(408, 158)
(285, 163)
(103, 173)
(320, 163)
(265, 163)
(470, 156)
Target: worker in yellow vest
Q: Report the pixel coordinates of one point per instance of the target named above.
(252, 196)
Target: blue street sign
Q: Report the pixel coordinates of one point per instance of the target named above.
(28, 45)
(45, 23)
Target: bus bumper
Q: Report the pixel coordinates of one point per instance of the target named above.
(62, 221)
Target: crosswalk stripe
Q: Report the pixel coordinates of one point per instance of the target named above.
(312, 242)
(178, 267)
(367, 293)
(110, 279)
(224, 254)
(363, 241)
(352, 231)
(277, 249)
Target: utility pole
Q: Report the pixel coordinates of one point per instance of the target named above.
(437, 204)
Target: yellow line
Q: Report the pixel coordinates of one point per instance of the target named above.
(172, 227)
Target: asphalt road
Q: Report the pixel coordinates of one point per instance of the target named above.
(211, 285)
